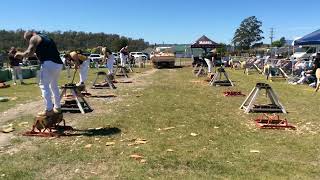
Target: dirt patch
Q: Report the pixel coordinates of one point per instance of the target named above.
(5, 139)
(136, 79)
(21, 110)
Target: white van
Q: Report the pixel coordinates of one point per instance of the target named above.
(138, 54)
(305, 52)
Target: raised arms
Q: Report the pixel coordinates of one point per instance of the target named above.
(33, 43)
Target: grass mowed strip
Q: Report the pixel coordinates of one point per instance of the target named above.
(177, 127)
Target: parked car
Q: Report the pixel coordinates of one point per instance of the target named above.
(32, 60)
(148, 55)
(138, 54)
(95, 58)
(304, 53)
(116, 57)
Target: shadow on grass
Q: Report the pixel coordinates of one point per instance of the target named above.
(175, 67)
(69, 131)
(28, 84)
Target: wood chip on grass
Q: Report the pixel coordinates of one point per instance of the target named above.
(138, 158)
(254, 151)
(166, 129)
(88, 146)
(110, 143)
(194, 134)
(138, 142)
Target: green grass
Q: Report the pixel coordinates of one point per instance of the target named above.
(21, 94)
(220, 151)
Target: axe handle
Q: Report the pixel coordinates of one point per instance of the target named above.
(74, 74)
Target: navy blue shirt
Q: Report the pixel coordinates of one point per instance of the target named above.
(47, 50)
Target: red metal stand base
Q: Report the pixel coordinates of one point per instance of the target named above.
(43, 134)
(123, 82)
(274, 121)
(3, 85)
(48, 126)
(233, 93)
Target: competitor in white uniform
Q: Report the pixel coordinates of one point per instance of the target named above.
(51, 65)
(109, 60)
(82, 63)
(124, 56)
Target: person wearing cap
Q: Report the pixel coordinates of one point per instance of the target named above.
(15, 66)
(81, 62)
(51, 66)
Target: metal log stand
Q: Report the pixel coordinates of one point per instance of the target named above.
(217, 79)
(278, 74)
(121, 71)
(199, 70)
(106, 84)
(254, 68)
(74, 101)
(275, 107)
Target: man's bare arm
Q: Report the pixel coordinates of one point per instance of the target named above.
(104, 53)
(33, 43)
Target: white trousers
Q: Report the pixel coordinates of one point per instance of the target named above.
(49, 75)
(16, 71)
(210, 64)
(109, 65)
(123, 59)
(83, 71)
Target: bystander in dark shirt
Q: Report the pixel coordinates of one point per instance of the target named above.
(316, 65)
(13, 61)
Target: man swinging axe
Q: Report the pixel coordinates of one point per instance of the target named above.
(81, 62)
(51, 65)
(108, 59)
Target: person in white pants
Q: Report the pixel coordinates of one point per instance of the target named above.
(208, 57)
(15, 66)
(109, 60)
(83, 69)
(124, 56)
(16, 72)
(210, 64)
(49, 75)
(82, 63)
(51, 65)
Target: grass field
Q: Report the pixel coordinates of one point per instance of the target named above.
(177, 127)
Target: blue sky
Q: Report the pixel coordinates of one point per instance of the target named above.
(157, 21)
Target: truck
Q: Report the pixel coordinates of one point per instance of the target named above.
(163, 57)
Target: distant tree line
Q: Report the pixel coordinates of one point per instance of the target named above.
(279, 43)
(70, 40)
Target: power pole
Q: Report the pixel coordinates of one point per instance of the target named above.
(271, 35)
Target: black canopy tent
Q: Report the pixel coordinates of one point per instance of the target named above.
(204, 43)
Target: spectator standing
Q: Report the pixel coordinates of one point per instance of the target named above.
(15, 66)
